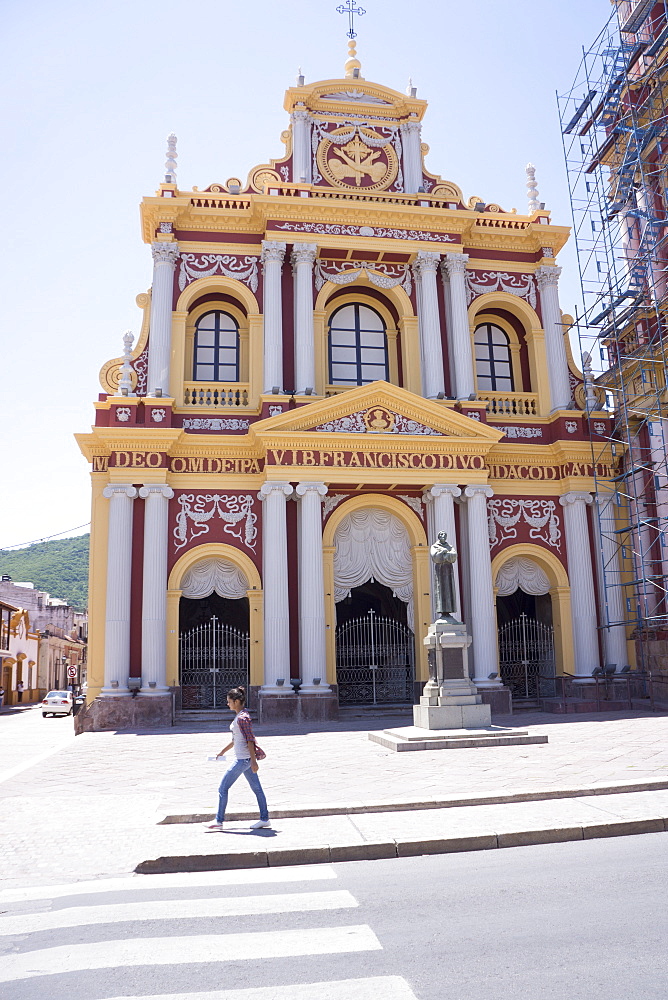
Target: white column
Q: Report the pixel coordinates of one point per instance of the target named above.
(442, 503)
(483, 611)
(154, 595)
(165, 256)
(119, 574)
(275, 586)
(303, 258)
(555, 349)
(658, 443)
(581, 578)
(301, 146)
(459, 337)
(272, 263)
(431, 346)
(312, 644)
(614, 639)
(411, 140)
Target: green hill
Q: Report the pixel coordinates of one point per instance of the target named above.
(60, 567)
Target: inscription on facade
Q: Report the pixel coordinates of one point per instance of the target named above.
(372, 460)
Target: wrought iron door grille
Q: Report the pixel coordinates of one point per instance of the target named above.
(213, 658)
(526, 658)
(375, 661)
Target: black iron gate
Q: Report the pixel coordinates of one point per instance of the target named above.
(374, 661)
(213, 658)
(526, 658)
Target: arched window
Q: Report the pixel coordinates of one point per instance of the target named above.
(216, 354)
(493, 365)
(357, 346)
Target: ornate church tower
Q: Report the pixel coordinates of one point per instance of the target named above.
(339, 357)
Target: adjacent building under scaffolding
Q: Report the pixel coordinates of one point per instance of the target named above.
(615, 129)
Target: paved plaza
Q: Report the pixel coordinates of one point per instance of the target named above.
(95, 805)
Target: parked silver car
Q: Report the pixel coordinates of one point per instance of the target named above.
(57, 703)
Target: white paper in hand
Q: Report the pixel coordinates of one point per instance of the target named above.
(222, 757)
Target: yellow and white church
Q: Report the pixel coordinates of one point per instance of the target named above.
(340, 357)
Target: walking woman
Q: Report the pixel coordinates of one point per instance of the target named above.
(247, 754)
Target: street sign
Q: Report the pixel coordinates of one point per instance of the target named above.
(71, 671)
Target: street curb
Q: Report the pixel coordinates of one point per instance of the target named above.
(379, 850)
(305, 812)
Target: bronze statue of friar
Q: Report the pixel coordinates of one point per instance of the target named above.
(444, 556)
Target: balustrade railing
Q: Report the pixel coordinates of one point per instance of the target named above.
(215, 395)
(511, 404)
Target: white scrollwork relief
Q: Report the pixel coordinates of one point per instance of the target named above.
(204, 265)
(500, 281)
(521, 432)
(541, 516)
(599, 427)
(571, 426)
(383, 136)
(215, 424)
(354, 95)
(197, 510)
(285, 172)
(158, 415)
(414, 502)
(344, 272)
(123, 413)
(275, 411)
(330, 502)
(325, 229)
(140, 366)
(473, 415)
(359, 423)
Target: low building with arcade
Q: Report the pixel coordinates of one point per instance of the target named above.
(339, 357)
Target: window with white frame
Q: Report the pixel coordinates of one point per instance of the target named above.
(216, 350)
(357, 346)
(493, 363)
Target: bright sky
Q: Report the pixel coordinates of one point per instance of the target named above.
(92, 90)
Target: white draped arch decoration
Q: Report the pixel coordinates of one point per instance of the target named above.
(522, 572)
(218, 575)
(373, 545)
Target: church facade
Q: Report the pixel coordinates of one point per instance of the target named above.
(340, 357)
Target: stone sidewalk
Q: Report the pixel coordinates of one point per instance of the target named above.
(96, 805)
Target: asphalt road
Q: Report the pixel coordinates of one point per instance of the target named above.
(574, 921)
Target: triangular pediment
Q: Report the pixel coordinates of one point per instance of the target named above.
(379, 410)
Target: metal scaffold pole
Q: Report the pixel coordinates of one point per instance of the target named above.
(614, 123)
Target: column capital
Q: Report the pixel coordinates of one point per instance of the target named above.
(440, 489)
(575, 497)
(304, 253)
(454, 263)
(129, 491)
(268, 488)
(472, 491)
(318, 488)
(300, 115)
(165, 491)
(426, 261)
(410, 126)
(547, 275)
(165, 253)
(272, 251)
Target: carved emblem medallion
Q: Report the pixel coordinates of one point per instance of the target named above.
(356, 164)
(378, 420)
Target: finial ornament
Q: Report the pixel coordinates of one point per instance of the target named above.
(170, 162)
(125, 382)
(590, 395)
(532, 189)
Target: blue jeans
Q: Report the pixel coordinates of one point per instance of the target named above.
(233, 772)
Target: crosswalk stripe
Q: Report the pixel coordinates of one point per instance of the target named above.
(387, 987)
(205, 948)
(172, 909)
(183, 880)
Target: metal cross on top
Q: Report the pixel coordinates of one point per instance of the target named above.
(350, 9)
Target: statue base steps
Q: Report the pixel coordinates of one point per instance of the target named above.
(417, 738)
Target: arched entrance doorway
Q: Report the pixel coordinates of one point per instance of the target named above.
(526, 632)
(373, 583)
(214, 633)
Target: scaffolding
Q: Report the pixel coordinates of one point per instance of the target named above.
(614, 123)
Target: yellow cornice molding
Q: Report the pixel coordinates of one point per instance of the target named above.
(399, 106)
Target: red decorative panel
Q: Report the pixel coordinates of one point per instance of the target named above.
(197, 517)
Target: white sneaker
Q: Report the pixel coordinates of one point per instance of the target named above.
(214, 826)
(261, 824)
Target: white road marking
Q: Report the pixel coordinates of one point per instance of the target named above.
(175, 909)
(387, 987)
(204, 948)
(183, 880)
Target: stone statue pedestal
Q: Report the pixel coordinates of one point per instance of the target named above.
(449, 699)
